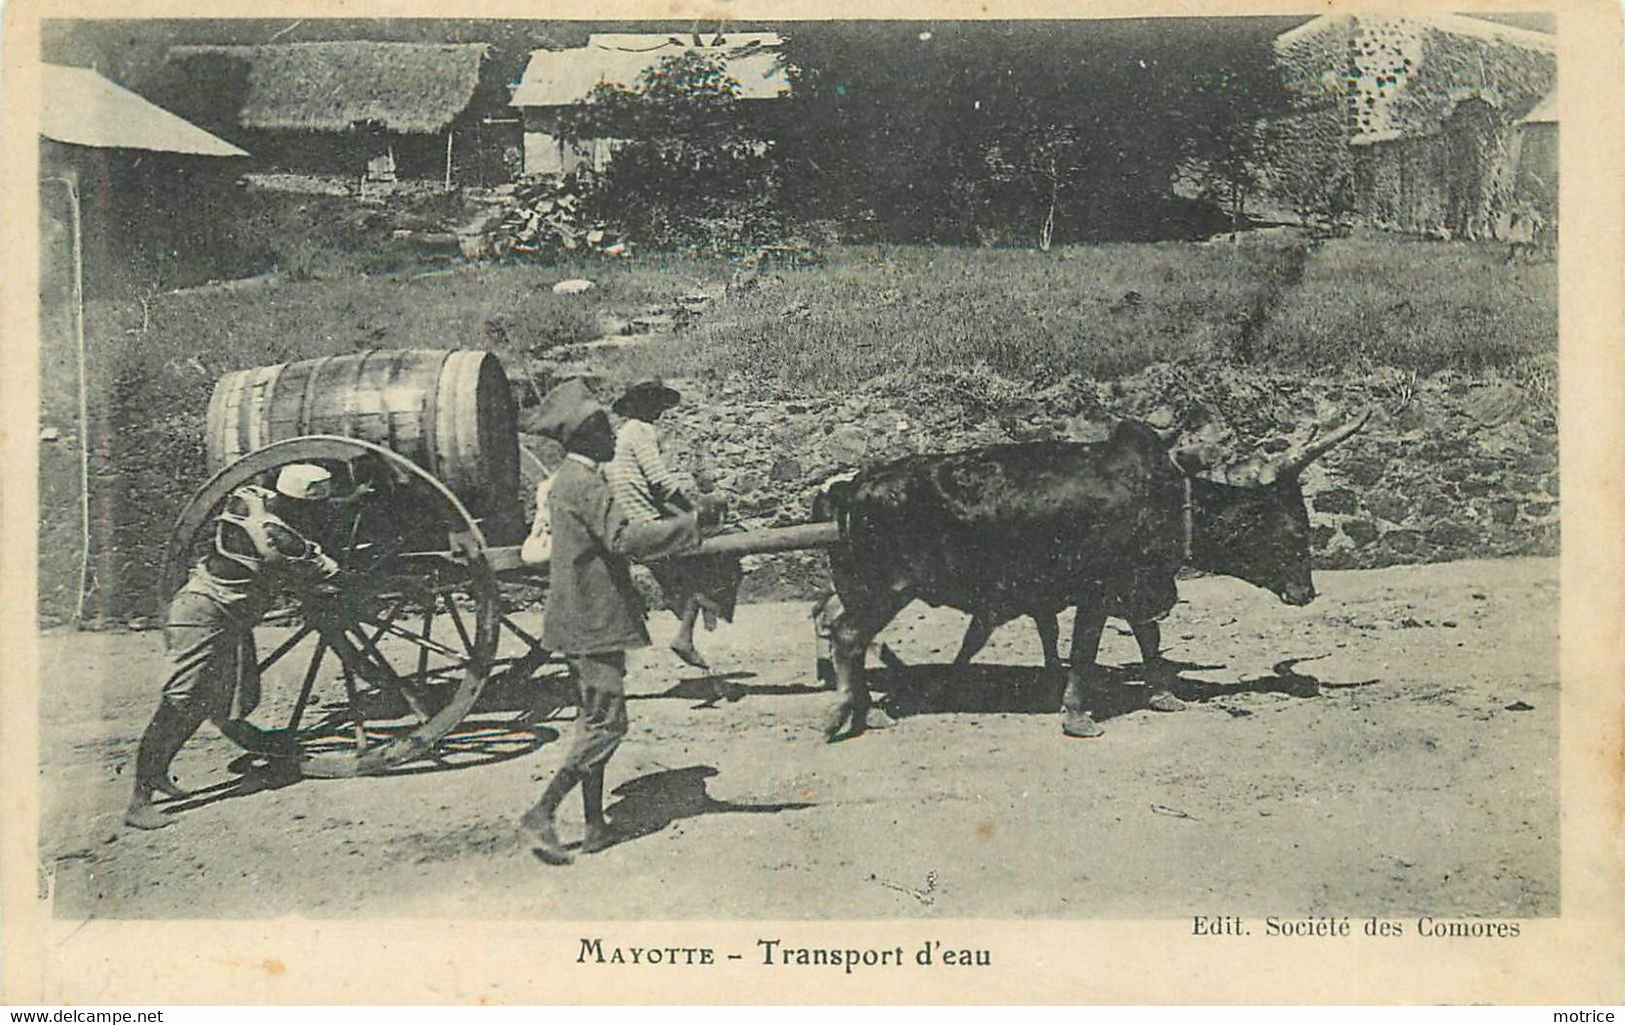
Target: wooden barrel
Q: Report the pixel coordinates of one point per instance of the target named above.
(449, 411)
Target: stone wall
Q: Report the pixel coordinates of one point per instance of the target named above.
(1449, 468)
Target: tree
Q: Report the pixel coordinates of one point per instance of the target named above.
(688, 165)
(1023, 130)
(1221, 122)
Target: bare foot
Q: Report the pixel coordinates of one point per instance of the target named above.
(1078, 724)
(145, 816)
(169, 788)
(600, 836)
(686, 651)
(543, 839)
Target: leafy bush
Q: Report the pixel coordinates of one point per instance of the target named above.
(688, 171)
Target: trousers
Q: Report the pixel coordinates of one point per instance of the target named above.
(213, 671)
(601, 721)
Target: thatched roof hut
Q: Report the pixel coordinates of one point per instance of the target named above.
(381, 110)
(406, 88)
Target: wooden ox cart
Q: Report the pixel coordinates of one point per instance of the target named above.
(415, 626)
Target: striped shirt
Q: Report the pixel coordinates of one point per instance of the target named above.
(638, 476)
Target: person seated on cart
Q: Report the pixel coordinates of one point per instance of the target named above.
(262, 545)
(648, 490)
(594, 614)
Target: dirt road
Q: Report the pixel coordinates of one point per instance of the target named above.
(1391, 748)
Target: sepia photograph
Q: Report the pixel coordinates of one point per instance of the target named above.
(1044, 470)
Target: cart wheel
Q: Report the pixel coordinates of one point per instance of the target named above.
(393, 656)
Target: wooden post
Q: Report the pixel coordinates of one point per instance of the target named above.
(449, 132)
(69, 180)
(360, 129)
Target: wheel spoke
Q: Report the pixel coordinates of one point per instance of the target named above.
(354, 665)
(310, 682)
(517, 632)
(390, 678)
(367, 664)
(325, 725)
(457, 621)
(428, 639)
(355, 710)
(425, 644)
(286, 646)
(382, 561)
(352, 539)
(384, 622)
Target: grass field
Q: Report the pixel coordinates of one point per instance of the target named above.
(867, 313)
(174, 345)
(1105, 311)
(1100, 311)
(1420, 307)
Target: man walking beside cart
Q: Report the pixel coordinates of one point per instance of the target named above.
(594, 614)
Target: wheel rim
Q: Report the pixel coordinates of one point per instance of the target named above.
(386, 666)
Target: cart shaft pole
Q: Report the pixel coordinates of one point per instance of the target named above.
(748, 542)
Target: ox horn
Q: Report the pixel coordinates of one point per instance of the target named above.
(1294, 462)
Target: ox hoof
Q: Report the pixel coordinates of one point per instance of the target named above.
(844, 721)
(835, 724)
(1163, 701)
(1078, 724)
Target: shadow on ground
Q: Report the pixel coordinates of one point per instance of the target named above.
(714, 688)
(472, 744)
(938, 690)
(651, 802)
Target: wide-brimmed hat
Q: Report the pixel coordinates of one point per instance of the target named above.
(649, 389)
(565, 409)
(305, 481)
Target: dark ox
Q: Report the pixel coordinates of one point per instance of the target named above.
(1030, 529)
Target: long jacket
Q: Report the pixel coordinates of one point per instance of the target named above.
(592, 605)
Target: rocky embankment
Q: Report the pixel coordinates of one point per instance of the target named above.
(1450, 467)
